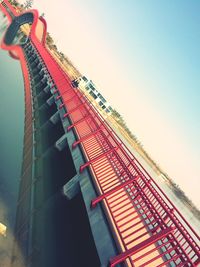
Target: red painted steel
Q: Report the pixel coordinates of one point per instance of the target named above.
(78, 121)
(151, 240)
(86, 137)
(112, 191)
(147, 227)
(139, 210)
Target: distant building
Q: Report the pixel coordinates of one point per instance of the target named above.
(88, 85)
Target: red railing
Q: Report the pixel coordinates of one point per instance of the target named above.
(147, 227)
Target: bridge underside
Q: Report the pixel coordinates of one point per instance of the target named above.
(51, 230)
(12, 30)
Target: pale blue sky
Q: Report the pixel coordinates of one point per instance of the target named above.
(146, 53)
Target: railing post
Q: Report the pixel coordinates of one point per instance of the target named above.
(151, 240)
(71, 111)
(84, 138)
(82, 167)
(77, 122)
(95, 201)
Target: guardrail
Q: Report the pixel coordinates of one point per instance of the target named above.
(142, 218)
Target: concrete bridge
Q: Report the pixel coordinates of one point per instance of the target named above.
(84, 199)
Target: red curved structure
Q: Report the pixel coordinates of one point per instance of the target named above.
(147, 228)
(14, 49)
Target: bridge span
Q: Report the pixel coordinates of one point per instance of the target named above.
(70, 150)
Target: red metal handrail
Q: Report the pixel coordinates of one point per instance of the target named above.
(124, 158)
(112, 169)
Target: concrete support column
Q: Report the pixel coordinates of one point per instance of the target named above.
(47, 89)
(50, 101)
(61, 143)
(72, 188)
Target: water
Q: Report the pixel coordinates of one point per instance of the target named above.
(11, 143)
(11, 132)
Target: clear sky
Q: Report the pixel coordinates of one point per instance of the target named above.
(144, 56)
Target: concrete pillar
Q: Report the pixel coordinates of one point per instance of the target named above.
(32, 57)
(40, 65)
(61, 143)
(55, 118)
(39, 85)
(72, 188)
(35, 62)
(65, 121)
(40, 94)
(50, 101)
(44, 79)
(42, 71)
(43, 107)
(47, 89)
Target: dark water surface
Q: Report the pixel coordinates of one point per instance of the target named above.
(11, 133)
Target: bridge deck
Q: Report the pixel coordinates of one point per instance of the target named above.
(136, 210)
(147, 227)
